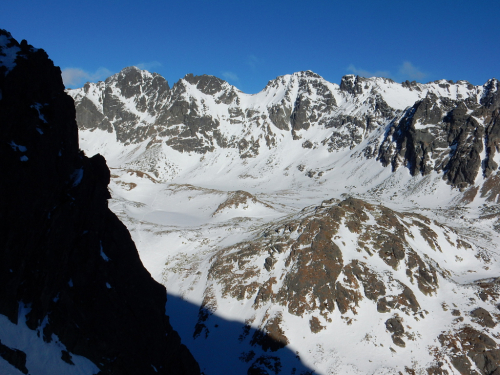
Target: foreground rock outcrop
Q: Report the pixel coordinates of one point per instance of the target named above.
(64, 256)
(348, 277)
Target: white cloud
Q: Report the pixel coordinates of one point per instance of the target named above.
(75, 77)
(406, 71)
(230, 76)
(367, 74)
(254, 61)
(409, 71)
(149, 65)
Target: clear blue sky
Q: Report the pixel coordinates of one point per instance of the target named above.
(251, 42)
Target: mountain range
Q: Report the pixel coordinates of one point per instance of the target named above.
(314, 227)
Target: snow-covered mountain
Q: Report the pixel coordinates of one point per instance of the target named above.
(354, 225)
(421, 124)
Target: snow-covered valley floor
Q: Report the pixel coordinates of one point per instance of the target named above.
(180, 226)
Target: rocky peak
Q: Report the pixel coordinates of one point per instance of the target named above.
(491, 97)
(275, 83)
(441, 134)
(444, 82)
(307, 74)
(413, 85)
(352, 84)
(130, 96)
(132, 82)
(207, 84)
(312, 83)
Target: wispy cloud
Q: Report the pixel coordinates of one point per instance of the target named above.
(75, 77)
(149, 65)
(409, 71)
(366, 73)
(230, 76)
(254, 61)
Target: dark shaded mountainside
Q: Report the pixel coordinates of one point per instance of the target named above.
(64, 255)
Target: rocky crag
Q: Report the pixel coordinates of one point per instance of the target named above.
(68, 267)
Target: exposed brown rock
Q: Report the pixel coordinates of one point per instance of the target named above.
(238, 198)
(315, 325)
(491, 188)
(469, 344)
(271, 337)
(483, 317)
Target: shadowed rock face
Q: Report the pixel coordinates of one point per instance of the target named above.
(63, 253)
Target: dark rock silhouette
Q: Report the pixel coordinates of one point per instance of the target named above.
(62, 251)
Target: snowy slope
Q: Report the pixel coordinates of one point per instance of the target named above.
(42, 357)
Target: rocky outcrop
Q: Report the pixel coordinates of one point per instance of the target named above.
(239, 199)
(467, 346)
(336, 261)
(458, 138)
(308, 246)
(352, 84)
(63, 254)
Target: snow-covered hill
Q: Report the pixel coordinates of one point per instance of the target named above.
(355, 224)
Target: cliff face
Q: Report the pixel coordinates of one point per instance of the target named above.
(456, 137)
(63, 254)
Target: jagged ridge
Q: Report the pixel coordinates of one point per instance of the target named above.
(442, 126)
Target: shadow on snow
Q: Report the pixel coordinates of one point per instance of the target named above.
(223, 346)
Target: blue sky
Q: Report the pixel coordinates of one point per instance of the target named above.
(249, 43)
